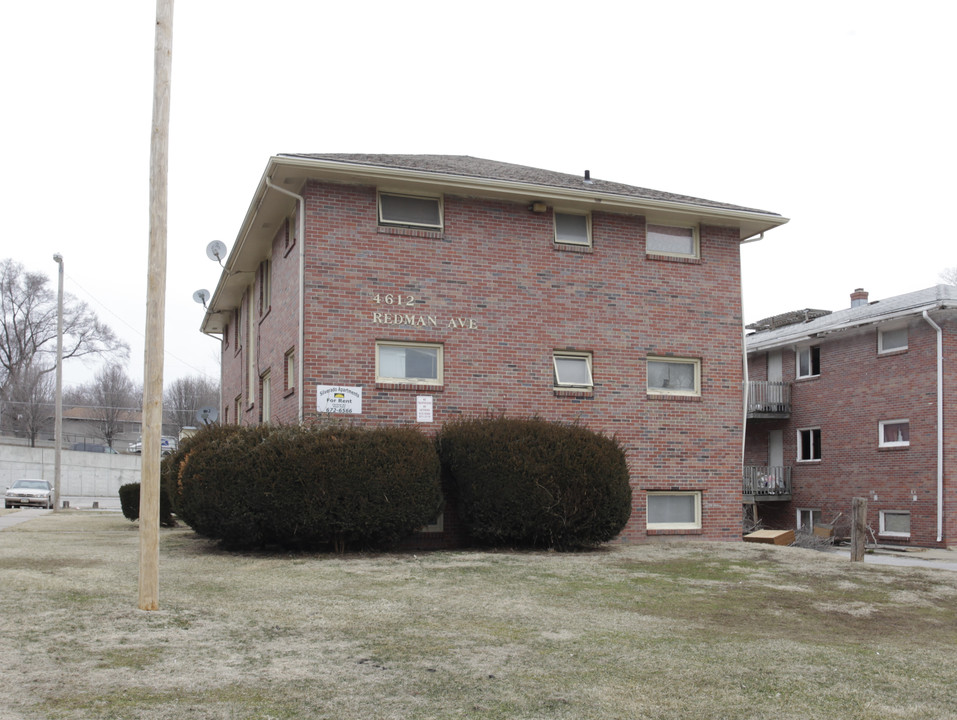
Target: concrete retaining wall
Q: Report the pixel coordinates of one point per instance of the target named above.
(82, 474)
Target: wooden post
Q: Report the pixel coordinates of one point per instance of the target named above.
(858, 528)
(155, 313)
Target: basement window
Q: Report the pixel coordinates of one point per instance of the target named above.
(674, 510)
(895, 523)
(410, 211)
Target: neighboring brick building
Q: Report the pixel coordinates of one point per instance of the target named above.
(424, 288)
(846, 404)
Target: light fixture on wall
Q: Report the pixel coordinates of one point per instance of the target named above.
(538, 207)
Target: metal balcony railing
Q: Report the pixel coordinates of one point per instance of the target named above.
(769, 398)
(767, 482)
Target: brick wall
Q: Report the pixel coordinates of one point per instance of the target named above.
(858, 388)
(500, 297)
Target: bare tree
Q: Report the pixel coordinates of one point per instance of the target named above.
(30, 403)
(949, 276)
(184, 397)
(28, 328)
(113, 398)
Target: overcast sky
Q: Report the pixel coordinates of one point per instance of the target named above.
(837, 115)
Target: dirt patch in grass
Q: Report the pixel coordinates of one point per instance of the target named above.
(665, 631)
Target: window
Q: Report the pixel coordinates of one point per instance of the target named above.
(414, 363)
(410, 211)
(895, 523)
(674, 376)
(572, 369)
(265, 286)
(809, 361)
(674, 510)
(809, 444)
(252, 376)
(265, 403)
(669, 240)
(290, 383)
(571, 229)
(891, 340)
(807, 519)
(238, 408)
(894, 433)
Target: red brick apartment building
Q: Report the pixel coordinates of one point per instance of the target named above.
(412, 289)
(861, 402)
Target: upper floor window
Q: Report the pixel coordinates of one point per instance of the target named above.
(265, 286)
(674, 376)
(415, 363)
(891, 339)
(809, 444)
(809, 361)
(572, 229)
(410, 211)
(572, 369)
(290, 371)
(894, 433)
(671, 240)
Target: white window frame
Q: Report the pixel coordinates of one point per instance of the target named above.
(811, 459)
(695, 525)
(695, 241)
(401, 223)
(290, 369)
(894, 533)
(814, 514)
(893, 443)
(570, 355)
(438, 381)
(265, 403)
(809, 349)
(694, 362)
(881, 350)
(265, 287)
(570, 241)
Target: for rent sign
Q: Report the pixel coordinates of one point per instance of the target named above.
(339, 399)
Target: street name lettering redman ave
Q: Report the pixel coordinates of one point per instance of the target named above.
(412, 320)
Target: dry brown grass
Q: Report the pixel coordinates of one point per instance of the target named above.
(665, 631)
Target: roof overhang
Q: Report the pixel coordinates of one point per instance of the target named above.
(805, 334)
(270, 207)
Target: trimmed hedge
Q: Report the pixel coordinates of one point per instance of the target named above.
(304, 487)
(130, 504)
(529, 482)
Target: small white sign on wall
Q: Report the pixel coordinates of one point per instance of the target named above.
(339, 399)
(423, 409)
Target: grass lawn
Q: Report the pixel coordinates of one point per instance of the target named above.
(700, 630)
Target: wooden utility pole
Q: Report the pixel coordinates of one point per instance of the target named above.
(155, 312)
(858, 528)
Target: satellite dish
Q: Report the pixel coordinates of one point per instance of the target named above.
(207, 415)
(201, 296)
(216, 250)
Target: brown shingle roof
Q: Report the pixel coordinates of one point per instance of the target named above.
(466, 166)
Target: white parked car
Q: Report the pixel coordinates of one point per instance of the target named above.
(29, 493)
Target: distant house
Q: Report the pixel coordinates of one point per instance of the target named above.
(861, 402)
(413, 289)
